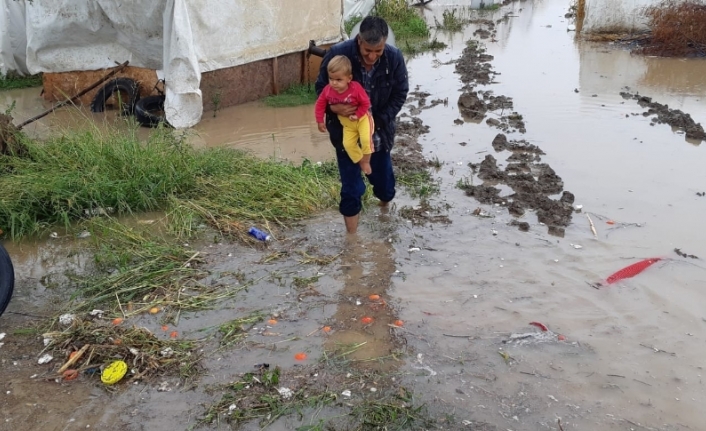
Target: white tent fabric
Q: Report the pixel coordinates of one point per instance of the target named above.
(607, 16)
(13, 38)
(184, 38)
(353, 8)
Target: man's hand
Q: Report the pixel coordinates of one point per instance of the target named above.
(353, 117)
(322, 127)
(343, 109)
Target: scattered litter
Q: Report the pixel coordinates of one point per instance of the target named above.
(578, 208)
(83, 234)
(54, 235)
(117, 321)
(357, 301)
(167, 353)
(47, 341)
(539, 325)
(67, 319)
(346, 393)
(45, 359)
(593, 228)
(164, 387)
(97, 313)
(366, 320)
(114, 372)
(231, 409)
(154, 310)
(373, 390)
(413, 249)
(494, 232)
(259, 234)
(69, 375)
(551, 397)
(576, 246)
(399, 323)
(2, 335)
(420, 365)
(632, 270)
(300, 356)
(285, 393)
(374, 297)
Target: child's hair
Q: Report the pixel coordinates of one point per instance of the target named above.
(340, 63)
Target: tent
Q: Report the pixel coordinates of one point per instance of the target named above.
(180, 39)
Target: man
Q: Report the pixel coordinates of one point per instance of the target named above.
(381, 70)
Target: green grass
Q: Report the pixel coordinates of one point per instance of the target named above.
(402, 18)
(62, 178)
(296, 95)
(450, 21)
(351, 22)
(12, 81)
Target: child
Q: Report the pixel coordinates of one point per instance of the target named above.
(342, 89)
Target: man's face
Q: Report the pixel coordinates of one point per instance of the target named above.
(370, 53)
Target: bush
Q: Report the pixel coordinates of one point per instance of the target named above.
(678, 29)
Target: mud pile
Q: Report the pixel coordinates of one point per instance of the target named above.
(531, 181)
(664, 115)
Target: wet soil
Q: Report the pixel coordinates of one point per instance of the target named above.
(662, 114)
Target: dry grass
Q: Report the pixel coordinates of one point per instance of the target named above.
(678, 29)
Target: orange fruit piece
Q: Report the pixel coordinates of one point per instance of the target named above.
(561, 337)
(165, 328)
(117, 321)
(300, 356)
(326, 328)
(399, 323)
(272, 321)
(69, 374)
(173, 334)
(374, 297)
(154, 310)
(366, 320)
(610, 222)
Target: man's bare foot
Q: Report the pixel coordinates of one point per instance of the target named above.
(384, 204)
(365, 167)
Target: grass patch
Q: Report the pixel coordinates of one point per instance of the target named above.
(419, 184)
(412, 47)
(450, 21)
(404, 19)
(65, 178)
(13, 81)
(351, 22)
(296, 95)
(235, 330)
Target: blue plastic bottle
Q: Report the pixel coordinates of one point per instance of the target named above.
(258, 234)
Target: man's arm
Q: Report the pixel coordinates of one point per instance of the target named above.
(399, 92)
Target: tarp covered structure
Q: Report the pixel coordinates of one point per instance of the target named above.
(180, 38)
(615, 16)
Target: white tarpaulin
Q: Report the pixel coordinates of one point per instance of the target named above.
(353, 8)
(184, 38)
(13, 38)
(608, 16)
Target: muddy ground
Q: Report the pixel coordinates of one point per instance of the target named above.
(464, 276)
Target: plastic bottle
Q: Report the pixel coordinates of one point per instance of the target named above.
(258, 234)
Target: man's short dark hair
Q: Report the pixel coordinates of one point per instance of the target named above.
(373, 30)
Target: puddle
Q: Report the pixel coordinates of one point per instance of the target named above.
(631, 353)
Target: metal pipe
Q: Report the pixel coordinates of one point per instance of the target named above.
(315, 50)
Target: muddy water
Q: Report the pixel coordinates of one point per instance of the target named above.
(633, 351)
(469, 289)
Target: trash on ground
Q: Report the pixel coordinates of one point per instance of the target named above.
(346, 393)
(45, 359)
(577, 246)
(114, 372)
(259, 234)
(97, 313)
(300, 356)
(67, 319)
(632, 270)
(413, 249)
(539, 325)
(69, 375)
(285, 393)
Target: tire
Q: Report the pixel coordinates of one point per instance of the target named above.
(7, 279)
(127, 89)
(149, 111)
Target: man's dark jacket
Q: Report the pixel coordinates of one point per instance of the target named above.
(387, 95)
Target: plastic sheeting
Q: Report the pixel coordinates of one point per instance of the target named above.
(184, 38)
(615, 16)
(352, 8)
(13, 38)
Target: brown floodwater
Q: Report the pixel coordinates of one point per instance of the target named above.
(633, 352)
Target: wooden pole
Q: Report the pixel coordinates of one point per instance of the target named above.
(66, 102)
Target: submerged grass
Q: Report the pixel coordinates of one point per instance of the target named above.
(14, 81)
(296, 95)
(67, 177)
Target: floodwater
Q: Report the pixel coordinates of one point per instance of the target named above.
(633, 352)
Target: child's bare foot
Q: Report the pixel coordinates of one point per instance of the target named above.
(365, 167)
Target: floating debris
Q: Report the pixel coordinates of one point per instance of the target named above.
(632, 270)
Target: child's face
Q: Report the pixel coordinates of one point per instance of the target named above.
(339, 81)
